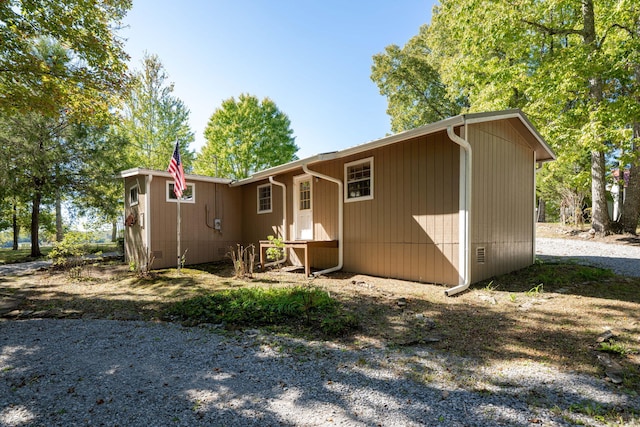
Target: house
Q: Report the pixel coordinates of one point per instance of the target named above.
(451, 202)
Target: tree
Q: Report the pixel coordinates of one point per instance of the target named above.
(96, 72)
(415, 94)
(154, 119)
(565, 63)
(244, 136)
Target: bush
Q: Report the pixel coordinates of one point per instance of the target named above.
(69, 251)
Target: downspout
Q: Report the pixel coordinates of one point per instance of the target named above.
(536, 214)
(147, 220)
(464, 213)
(340, 220)
(284, 222)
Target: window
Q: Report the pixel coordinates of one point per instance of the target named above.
(188, 195)
(133, 195)
(358, 176)
(264, 198)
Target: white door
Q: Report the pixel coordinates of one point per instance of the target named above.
(303, 215)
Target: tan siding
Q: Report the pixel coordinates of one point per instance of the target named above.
(502, 199)
(135, 236)
(201, 243)
(410, 229)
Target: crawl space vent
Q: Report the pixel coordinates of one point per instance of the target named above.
(480, 255)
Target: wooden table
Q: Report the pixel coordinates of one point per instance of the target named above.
(299, 244)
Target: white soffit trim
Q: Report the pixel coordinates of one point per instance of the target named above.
(189, 177)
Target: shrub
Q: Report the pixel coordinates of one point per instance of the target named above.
(69, 251)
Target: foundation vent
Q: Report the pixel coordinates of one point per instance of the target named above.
(480, 255)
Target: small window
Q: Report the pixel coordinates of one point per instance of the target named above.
(133, 195)
(264, 198)
(358, 177)
(188, 195)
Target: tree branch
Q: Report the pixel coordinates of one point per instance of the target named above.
(553, 31)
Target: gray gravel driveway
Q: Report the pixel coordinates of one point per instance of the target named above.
(118, 373)
(622, 259)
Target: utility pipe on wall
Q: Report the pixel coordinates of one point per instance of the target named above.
(284, 221)
(464, 213)
(340, 219)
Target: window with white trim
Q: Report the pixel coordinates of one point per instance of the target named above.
(188, 195)
(358, 178)
(133, 195)
(264, 198)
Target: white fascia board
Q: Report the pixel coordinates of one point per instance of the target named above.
(189, 177)
(392, 139)
(512, 114)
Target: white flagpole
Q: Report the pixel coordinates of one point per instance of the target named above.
(178, 227)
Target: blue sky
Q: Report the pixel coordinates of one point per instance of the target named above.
(312, 58)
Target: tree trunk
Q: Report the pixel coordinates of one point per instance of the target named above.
(542, 210)
(600, 222)
(35, 224)
(114, 231)
(631, 202)
(59, 230)
(16, 227)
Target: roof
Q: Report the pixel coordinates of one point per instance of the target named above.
(188, 177)
(542, 149)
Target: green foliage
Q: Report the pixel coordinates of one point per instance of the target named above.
(244, 136)
(30, 82)
(535, 291)
(70, 250)
(287, 308)
(277, 253)
(154, 119)
(415, 93)
(613, 347)
(578, 82)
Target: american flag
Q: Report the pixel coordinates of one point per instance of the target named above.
(176, 171)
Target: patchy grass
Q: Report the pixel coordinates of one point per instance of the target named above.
(297, 308)
(8, 256)
(549, 313)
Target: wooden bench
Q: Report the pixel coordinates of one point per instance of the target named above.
(298, 244)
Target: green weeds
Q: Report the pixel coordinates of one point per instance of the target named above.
(296, 308)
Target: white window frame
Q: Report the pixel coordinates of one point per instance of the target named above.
(169, 193)
(347, 197)
(137, 188)
(270, 199)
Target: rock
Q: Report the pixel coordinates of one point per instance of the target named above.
(605, 336)
(491, 300)
(612, 369)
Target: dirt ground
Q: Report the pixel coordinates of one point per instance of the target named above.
(549, 313)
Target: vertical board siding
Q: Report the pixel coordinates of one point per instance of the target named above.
(201, 243)
(410, 228)
(135, 236)
(502, 205)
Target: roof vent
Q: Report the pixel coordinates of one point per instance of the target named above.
(480, 255)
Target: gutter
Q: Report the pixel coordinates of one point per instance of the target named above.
(284, 221)
(340, 220)
(464, 212)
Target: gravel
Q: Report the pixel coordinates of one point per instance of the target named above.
(622, 259)
(102, 372)
(119, 373)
